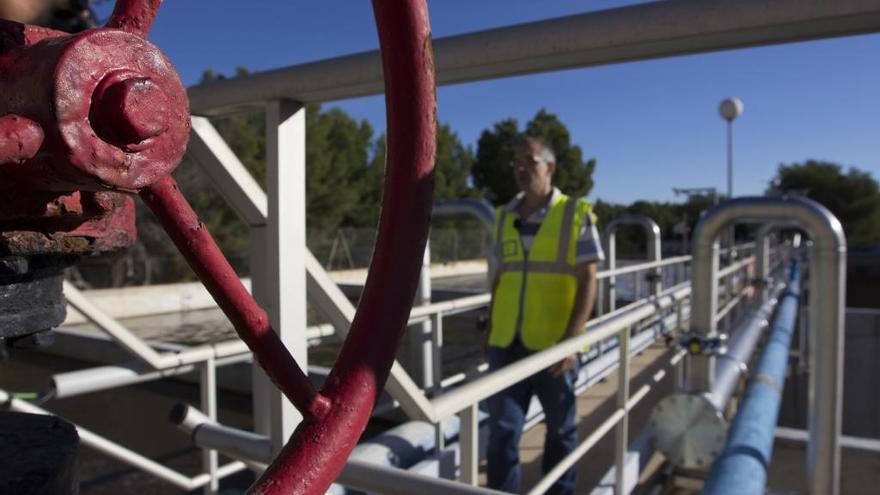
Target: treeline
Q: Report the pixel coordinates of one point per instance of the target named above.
(344, 172)
(852, 195)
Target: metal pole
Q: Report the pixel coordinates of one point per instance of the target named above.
(652, 236)
(730, 165)
(208, 384)
(469, 446)
(436, 344)
(621, 439)
(281, 287)
(612, 265)
(746, 456)
(762, 258)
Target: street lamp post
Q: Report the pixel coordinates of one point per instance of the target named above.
(730, 109)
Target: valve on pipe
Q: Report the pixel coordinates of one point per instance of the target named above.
(89, 120)
(78, 129)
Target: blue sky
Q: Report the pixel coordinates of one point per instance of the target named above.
(651, 125)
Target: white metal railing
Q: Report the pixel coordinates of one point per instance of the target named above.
(464, 399)
(206, 358)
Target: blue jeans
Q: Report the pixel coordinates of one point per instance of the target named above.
(507, 411)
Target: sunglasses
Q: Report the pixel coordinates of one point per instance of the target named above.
(527, 162)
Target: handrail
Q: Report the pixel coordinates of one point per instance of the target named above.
(638, 32)
(485, 386)
(827, 302)
(652, 233)
(615, 417)
(735, 266)
(643, 266)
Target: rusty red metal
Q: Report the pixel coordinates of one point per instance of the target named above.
(114, 117)
(81, 114)
(249, 319)
(112, 108)
(81, 223)
(316, 453)
(134, 16)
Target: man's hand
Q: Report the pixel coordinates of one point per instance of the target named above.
(563, 366)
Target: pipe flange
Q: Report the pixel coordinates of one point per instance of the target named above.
(688, 430)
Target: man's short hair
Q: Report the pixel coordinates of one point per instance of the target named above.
(545, 152)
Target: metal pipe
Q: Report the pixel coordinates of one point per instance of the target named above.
(733, 365)
(732, 304)
(746, 455)
(827, 291)
(123, 336)
(207, 433)
(477, 208)
(90, 380)
(733, 267)
(359, 474)
(643, 266)
(652, 235)
(762, 257)
(639, 32)
(847, 442)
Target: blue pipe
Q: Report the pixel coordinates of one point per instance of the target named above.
(742, 466)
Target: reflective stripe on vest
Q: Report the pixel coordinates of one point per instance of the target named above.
(536, 290)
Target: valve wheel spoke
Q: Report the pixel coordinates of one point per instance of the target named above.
(251, 322)
(134, 16)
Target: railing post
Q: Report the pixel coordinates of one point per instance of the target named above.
(421, 355)
(621, 439)
(279, 274)
(611, 253)
(436, 351)
(637, 286)
(652, 234)
(762, 258)
(208, 390)
(469, 444)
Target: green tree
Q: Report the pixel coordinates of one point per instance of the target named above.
(573, 175)
(337, 152)
(852, 196)
(495, 150)
(451, 173)
(453, 166)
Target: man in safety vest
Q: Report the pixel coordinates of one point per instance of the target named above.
(546, 252)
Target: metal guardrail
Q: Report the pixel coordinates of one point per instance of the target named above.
(154, 365)
(827, 286)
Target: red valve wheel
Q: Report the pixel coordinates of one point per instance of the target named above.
(335, 418)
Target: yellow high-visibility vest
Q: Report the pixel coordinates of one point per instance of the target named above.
(536, 290)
